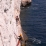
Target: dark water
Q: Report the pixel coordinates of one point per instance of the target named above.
(33, 21)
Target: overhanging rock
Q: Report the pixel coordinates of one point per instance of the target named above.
(25, 3)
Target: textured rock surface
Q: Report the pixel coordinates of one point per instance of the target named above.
(9, 28)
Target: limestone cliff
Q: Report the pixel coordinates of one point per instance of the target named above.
(10, 25)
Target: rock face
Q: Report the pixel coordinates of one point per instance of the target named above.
(24, 3)
(10, 25)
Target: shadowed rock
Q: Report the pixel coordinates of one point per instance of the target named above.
(25, 3)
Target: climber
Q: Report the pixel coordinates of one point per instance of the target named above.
(17, 18)
(20, 40)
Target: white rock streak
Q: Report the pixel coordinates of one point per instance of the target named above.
(9, 28)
